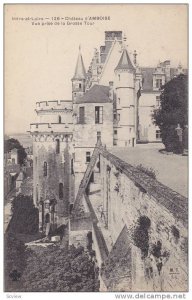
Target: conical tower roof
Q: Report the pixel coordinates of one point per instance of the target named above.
(80, 72)
(125, 62)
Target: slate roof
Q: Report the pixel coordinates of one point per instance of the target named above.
(125, 62)
(97, 94)
(80, 72)
(147, 74)
(116, 272)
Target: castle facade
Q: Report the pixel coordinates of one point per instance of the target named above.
(112, 102)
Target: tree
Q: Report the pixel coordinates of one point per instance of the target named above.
(173, 111)
(13, 143)
(15, 261)
(56, 269)
(25, 215)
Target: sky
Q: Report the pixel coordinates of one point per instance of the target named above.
(39, 60)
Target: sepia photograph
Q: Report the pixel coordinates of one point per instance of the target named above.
(96, 148)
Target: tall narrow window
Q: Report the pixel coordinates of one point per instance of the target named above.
(45, 168)
(80, 85)
(81, 115)
(59, 119)
(158, 83)
(88, 157)
(157, 100)
(98, 136)
(119, 77)
(72, 170)
(57, 146)
(60, 190)
(98, 114)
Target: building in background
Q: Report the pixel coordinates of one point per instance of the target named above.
(112, 102)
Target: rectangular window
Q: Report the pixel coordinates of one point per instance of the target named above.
(81, 115)
(98, 114)
(57, 146)
(158, 83)
(60, 190)
(158, 134)
(118, 117)
(88, 157)
(72, 172)
(157, 100)
(98, 136)
(45, 169)
(115, 131)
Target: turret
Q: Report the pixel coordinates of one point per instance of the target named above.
(125, 100)
(79, 78)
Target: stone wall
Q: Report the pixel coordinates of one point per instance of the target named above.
(130, 196)
(58, 172)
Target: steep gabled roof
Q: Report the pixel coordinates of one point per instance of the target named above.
(125, 62)
(96, 94)
(80, 72)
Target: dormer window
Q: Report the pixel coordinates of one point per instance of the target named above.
(158, 83)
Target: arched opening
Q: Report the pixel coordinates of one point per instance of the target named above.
(60, 190)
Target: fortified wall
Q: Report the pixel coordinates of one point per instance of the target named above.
(139, 228)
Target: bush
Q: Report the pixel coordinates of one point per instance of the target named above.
(150, 172)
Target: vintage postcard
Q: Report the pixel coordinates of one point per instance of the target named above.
(96, 148)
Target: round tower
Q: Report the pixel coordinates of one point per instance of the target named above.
(125, 101)
(53, 162)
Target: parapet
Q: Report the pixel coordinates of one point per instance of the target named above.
(54, 105)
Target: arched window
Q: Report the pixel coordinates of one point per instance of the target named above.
(45, 168)
(60, 190)
(59, 119)
(57, 146)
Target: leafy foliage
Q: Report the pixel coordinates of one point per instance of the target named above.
(56, 269)
(15, 260)
(149, 171)
(140, 234)
(25, 215)
(13, 143)
(173, 110)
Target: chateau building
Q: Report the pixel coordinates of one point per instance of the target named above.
(112, 102)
